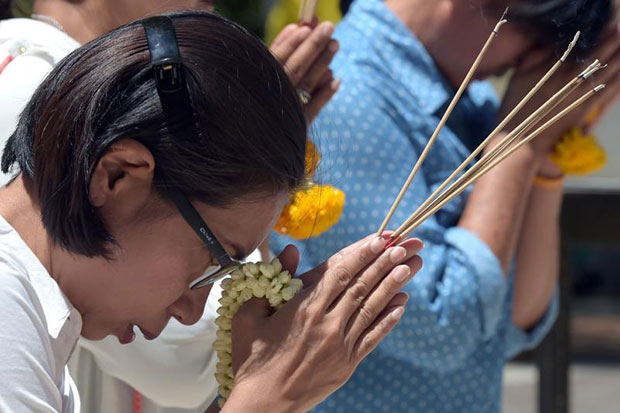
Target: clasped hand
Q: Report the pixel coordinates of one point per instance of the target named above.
(291, 359)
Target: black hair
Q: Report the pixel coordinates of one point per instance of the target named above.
(5, 9)
(251, 121)
(553, 23)
(345, 5)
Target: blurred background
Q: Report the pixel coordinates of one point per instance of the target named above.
(578, 367)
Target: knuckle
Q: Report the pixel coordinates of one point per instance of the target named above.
(290, 72)
(368, 343)
(333, 332)
(365, 315)
(342, 276)
(383, 265)
(363, 256)
(311, 313)
(358, 291)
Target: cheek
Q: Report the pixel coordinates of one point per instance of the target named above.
(151, 284)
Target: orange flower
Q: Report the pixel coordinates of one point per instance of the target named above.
(578, 154)
(312, 212)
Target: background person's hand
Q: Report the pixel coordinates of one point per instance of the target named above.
(306, 52)
(297, 356)
(531, 69)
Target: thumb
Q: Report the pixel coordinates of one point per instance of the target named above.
(246, 327)
(289, 258)
(250, 313)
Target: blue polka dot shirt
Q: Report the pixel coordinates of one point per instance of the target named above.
(447, 353)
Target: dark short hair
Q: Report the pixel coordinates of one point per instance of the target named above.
(5, 9)
(251, 121)
(345, 5)
(553, 23)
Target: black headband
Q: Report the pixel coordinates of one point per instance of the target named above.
(169, 74)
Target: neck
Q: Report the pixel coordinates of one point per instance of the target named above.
(82, 20)
(20, 207)
(435, 23)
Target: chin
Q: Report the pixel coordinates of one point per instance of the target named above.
(94, 336)
(95, 333)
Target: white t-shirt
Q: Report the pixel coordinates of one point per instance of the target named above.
(39, 329)
(35, 48)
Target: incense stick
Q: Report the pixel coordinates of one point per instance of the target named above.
(508, 152)
(497, 161)
(442, 122)
(306, 11)
(495, 132)
(519, 131)
(565, 92)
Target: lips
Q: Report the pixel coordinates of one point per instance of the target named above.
(147, 334)
(128, 336)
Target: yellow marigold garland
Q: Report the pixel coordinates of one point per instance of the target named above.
(261, 280)
(315, 208)
(578, 154)
(312, 212)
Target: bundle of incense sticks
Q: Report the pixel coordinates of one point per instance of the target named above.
(512, 141)
(306, 11)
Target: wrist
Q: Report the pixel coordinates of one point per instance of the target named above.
(257, 396)
(549, 183)
(547, 169)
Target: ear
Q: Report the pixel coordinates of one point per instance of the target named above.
(122, 182)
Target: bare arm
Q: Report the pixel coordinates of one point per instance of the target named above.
(537, 255)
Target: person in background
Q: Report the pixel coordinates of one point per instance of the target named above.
(176, 371)
(284, 12)
(98, 227)
(487, 290)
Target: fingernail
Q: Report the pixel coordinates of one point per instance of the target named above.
(335, 84)
(377, 245)
(397, 313)
(333, 46)
(401, 273)
(327, 29)
(397, 254)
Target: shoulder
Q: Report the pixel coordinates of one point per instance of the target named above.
(22, 314)
(25, 349)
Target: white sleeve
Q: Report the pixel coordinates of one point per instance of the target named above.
(18, 81)
(27, 382)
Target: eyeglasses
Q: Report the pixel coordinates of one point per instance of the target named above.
(226, 264)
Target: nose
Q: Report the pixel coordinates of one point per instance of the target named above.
(189, 307)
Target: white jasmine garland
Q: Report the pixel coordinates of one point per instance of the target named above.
(261, 280)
